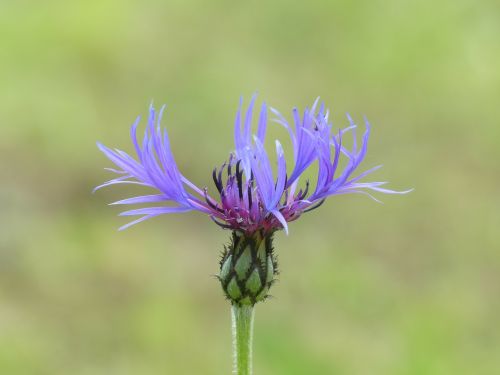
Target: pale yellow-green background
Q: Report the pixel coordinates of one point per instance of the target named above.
(405, 288)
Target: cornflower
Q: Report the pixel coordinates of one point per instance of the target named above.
(248, 197)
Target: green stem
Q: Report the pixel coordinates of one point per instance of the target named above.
(242, 327)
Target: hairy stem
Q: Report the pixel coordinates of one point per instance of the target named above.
(242, 328)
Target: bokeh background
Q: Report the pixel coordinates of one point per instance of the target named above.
(405, 288)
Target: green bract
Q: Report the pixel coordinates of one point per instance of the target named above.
(248, 267)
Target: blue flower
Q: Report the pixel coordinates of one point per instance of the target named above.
(249, 196)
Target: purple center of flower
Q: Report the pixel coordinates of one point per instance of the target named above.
(240, 206)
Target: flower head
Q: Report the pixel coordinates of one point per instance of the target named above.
(249, 197)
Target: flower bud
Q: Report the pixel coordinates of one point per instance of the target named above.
(248, 267)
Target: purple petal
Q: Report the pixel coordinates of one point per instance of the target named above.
(341, 192)
(248, 121)
(261, 130)
(133, 135)
(281, 219)
(238, 142)
(123, 227)
(371, 170)
(281, 179)
(118, 181)
(155, 211)
(261, 168)
(142, 199)
(388, 191)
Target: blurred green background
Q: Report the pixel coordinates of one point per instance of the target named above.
(408, 287)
